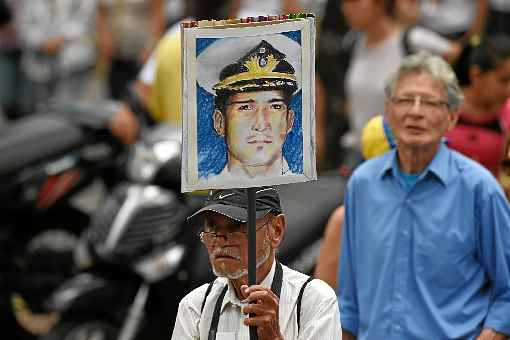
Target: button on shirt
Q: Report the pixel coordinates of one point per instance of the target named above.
(427, 262)
(320, 317)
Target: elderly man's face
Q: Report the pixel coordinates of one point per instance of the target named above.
(256, 126)
(229, 247)
(418, 112)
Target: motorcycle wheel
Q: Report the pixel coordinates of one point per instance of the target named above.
(82, 330)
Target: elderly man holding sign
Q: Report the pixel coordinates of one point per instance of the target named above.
(249, 123)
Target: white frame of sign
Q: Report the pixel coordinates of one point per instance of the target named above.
(199, 74)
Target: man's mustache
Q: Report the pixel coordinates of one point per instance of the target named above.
(260, 138)
(229, 252)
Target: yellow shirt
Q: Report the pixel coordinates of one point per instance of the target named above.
(166, 98)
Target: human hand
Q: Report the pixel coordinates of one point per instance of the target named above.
(264, 304)
(124, 125)
(490, 334)
(51, 46)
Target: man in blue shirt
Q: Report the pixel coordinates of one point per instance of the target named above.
(426, 244)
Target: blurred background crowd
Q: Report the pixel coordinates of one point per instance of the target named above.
(70, 49)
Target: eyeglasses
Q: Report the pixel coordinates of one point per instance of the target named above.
(406, 103)
(210, 233)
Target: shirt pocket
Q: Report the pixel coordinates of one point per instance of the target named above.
(444, 259)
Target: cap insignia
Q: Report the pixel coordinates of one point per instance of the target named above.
(261, 65)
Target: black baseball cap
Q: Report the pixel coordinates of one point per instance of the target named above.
(233, 203)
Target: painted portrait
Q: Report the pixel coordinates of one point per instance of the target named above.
(249, 114)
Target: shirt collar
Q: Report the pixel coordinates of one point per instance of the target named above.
(231, 296)
(438, 166)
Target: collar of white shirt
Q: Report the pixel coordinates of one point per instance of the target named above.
(231, 296)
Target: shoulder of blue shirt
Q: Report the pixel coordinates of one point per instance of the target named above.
(470, 170)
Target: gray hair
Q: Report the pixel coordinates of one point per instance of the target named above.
(436, 67)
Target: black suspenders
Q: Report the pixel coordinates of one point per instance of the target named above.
(276, 288)
(298, 307)
(216, 315)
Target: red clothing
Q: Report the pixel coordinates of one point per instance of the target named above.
(482, 142)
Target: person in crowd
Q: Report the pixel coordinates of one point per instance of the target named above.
(128, 31)
(284, 303)
(59, 49)
(376, 139)
(160, 81)
(483, 70)
(377, 50)
(426, 239)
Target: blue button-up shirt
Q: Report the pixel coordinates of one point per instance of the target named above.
(427, 262)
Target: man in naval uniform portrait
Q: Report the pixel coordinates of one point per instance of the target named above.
(253, 114)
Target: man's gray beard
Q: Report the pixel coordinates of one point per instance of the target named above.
(223, 272)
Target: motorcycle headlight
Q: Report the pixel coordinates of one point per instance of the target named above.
(155, 267)
(166, 150)
(146, 160)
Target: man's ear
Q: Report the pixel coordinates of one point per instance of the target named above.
(290, 119)
(388, 113)
(219, 122)
(453, 117)
(277, 231)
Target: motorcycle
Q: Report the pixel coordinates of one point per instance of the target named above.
(139, 257)
(47, 163)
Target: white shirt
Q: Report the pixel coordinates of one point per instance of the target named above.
(366, 77)
(448, 16)
(320, 315)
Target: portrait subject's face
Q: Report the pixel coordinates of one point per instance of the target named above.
(256, 126)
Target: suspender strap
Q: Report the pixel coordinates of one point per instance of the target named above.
(206, 295)
(276, 286)
(216, 315)
(300, 296)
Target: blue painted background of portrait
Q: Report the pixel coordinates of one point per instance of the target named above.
(212, 151)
